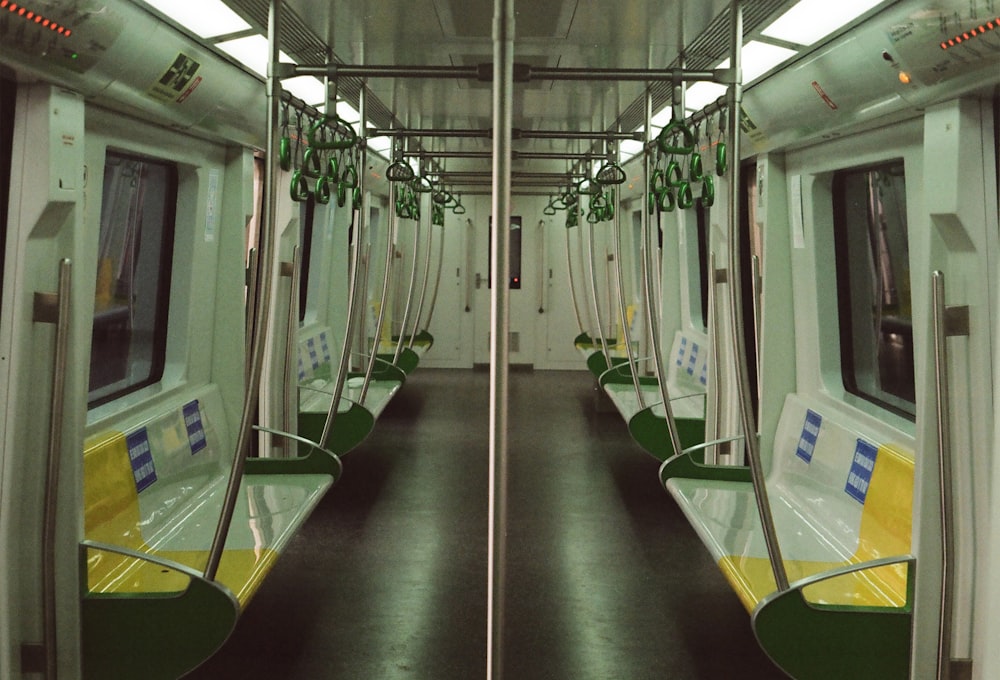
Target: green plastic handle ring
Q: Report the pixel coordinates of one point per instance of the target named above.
(422, 185)
(323, 190)
(652, 202)
(593, 188)
(667, 202)
(686, 147)
(399, 172)
(657, 181)
(721, 159)
(708, 191)
(285, 154)
(674, 176)
(350, 176)
(339, 124)
(685, 197)
(312, 164)
(356, 202)
(697, 167)
(341, 194)
(299, 188)
(459, 209)
(333, 169)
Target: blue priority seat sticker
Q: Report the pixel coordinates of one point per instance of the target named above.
(860, 476)
(195, 427)
(810, 433)
(141, 457)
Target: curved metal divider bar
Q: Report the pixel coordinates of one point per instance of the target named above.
(53, 309)
(390, 249)
(597, 305)
(273, 97)
(736, 311)
(411, 288)
(622, 306)
(423, 287)
(653, 310)
(302, 440)
(437, 279)
(572, 284)
(360, 220)
(595, 326)
(947, 322)
(290, 372)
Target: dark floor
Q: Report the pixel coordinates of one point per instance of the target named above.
(605, 579)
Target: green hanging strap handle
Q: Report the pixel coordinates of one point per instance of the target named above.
(652, 202)
(322, 192)
(312, 164)
(708, 191)
(663, 140)
(459, 209)
(398, 171)
(347, 136)
(299, 188)
(422, 185)
(685, 196)
(341, 194)
(350, 176)
(673, 175)
(609, 205)
(356, 200)
(611, 174)
(697, 170)
(333, 169)
(588, 188)
(721, 159)
(285, 145)
(666, 201)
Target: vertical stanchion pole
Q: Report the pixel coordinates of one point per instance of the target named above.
(266, 246)
(623, 303)
(649, 281)
(572, 283)
(736, 309)
(503, 96)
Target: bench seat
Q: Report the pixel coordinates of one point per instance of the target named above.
(842, 504)
(153, 497)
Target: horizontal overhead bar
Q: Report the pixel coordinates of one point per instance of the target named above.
(523, 73)
(516, 133)
(516, 155)
(452, 176)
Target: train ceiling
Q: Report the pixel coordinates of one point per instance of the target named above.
(636, 34)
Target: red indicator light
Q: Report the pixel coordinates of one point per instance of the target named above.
(45, 23)
(13, 6)
(68, 33)
(21, 11)
(944, 46)
(4, 3)
(29, 15)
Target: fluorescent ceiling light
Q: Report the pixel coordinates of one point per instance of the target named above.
(307, 88)
(701, 94)
(204, 18)
(630, 148)
(347, 113)
(759, 58)
(812, 20)
(380, 144)
(251, 52)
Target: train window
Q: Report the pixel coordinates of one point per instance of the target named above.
(873, 283)
(133, 275)
(307, 216)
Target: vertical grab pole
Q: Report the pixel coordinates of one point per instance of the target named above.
(289, 408)
(541, 266)
(53, 309)
(572, 283)
(948, 321)
(736, 310)
(251, 296)
(390, 250)
(423, 287)
(622, 306)
(360, 218)
(503, 96)
(652, 310)
(437, 279)
(715, 278)
(597, 305)
(273, 97)
(409, 293)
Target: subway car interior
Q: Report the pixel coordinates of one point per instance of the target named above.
(460, 339)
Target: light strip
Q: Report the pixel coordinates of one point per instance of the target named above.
(810, 21)
(204, 18)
